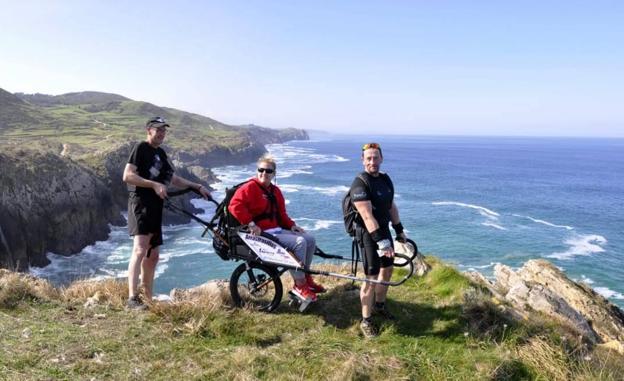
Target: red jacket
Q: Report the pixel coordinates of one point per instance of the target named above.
(251, 201)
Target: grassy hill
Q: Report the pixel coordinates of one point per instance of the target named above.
(16, 112)
(94, 120)
(446, 329)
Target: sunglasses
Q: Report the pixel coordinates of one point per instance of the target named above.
(267, 170)
(371, 145)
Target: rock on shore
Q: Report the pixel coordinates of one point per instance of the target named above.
(540, 286)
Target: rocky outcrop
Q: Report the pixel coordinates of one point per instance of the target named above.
(540, 286)
(221, 155)
(48, 203)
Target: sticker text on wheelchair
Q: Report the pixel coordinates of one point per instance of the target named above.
(269, 251)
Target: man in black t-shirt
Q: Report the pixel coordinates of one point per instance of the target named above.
(147, 173)
(374, 201)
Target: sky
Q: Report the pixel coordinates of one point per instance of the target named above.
(528, 68)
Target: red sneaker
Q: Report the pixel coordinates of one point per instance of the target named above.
(304, 292)
(313, 286)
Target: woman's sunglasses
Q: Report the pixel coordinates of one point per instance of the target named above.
(267, 170)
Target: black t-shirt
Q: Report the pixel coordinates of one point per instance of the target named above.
(152, 164)
(380, 193)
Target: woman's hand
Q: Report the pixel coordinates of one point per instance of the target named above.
(297, 229)
(254, 229)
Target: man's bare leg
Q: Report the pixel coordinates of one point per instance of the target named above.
(148, 268)
(367, 296)
(380, 290)
(139, 250)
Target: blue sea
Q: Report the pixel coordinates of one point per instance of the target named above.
(472, 201)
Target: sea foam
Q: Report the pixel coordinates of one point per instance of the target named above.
(581, 245)
(544, 222)
(311, 224)
(484, 211)
(608, 293)
(493, 225)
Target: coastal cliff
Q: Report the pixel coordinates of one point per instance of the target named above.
(48, 203)
(60, 177)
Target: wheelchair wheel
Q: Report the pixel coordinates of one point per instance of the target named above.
(256, 286)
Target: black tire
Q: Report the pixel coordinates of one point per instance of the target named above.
(256, 286)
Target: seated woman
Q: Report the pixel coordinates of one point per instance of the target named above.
(260, 205)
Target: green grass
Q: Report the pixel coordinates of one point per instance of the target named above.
(96, 126)
(48, 334)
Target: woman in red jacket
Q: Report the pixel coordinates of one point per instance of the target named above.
(260, 205)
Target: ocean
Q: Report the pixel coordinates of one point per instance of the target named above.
(472, 201)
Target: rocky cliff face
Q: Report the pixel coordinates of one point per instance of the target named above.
(540, 286)
(48, 203)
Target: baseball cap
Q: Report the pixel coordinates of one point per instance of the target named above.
(157, 122)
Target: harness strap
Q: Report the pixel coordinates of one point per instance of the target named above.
(273, 208)
(355, 256)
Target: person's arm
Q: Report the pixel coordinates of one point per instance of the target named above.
(181, 182)
(239, 208)
(396, 223)
(365, 209)
(131, 176)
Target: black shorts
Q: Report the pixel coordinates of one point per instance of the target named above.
(372, 261)
(145, 217)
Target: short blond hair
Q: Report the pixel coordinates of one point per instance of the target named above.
(268, 159)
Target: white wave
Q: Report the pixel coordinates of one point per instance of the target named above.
(331, 191)
(305, 170)
(231, 175)
(581, 245)
(585, 279)
(290, 188)
(608, 293)
(160, 269)
(493, 225)
(544, 222)
(285, 153)
(484, 211)
(473, 267)
(312, 224)
(175, 228)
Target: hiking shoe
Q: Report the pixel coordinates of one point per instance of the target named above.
(313, 286)
(135, 303)
(304, 292)
(383, 312)
(368, 329)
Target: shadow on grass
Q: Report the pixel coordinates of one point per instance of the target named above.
(340, 307)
